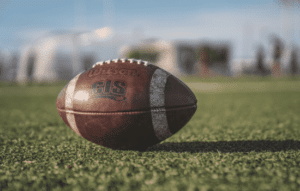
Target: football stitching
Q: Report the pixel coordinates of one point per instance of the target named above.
(123, 60)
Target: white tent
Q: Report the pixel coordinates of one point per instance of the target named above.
(56, 57)
(61, 56)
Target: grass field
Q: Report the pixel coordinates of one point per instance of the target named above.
(244, 136)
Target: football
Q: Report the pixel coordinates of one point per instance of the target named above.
(126, 104)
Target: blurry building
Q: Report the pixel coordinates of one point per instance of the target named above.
(177, 57)
(214, 58)
(159, 52)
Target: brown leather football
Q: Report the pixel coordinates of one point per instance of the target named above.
(126, 104)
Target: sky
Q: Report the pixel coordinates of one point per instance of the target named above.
(246, 24)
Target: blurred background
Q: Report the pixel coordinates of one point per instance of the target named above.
(48, 41)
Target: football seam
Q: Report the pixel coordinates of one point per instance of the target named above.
(125, 112)
(123, 60)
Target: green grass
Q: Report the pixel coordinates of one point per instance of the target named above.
(239, 139)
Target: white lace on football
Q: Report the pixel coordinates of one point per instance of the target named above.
(123, 60)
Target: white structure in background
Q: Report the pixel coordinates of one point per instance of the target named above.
(176, 57)
(61, 56)
(50, 59)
